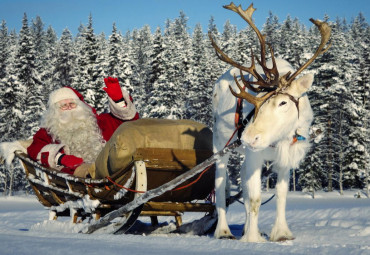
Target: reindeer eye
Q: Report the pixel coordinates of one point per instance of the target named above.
(282, 103)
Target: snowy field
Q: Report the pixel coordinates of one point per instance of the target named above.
(328, 224)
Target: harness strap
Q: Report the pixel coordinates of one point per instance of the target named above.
(243, 123)
(238, 112)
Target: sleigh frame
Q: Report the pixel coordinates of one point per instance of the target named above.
(91, 199)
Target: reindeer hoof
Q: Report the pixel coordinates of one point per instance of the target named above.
(229, 237)
(285, 238)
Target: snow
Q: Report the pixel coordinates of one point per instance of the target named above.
(328, 224)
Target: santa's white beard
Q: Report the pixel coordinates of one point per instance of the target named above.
(77, 129)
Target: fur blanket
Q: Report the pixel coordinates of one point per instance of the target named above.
(149, 133)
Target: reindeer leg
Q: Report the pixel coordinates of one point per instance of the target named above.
(251, 183)
(222, 230)
(243, 177)
(280, 230)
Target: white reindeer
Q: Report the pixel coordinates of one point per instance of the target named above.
(282, 112)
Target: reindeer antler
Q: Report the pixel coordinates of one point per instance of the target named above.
(272, 84)
(272, 74)
(325, 31)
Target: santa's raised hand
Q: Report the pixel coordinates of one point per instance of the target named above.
(113, 89)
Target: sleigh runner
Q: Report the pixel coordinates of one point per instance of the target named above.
(156, 182)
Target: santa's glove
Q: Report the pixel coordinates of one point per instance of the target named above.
(70, 160)
(113, 89)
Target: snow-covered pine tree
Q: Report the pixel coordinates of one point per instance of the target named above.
(44, 47)
(199, 102)
(214, 67)
(32, 104)
(12, 116)
(289, 39)
(50, 57)
(39, 42)
(4, 62)
(366, 127)
(125, 76)
(310, 168)
(183, 64)
(63, 70)
(87, 53)
(142, 44)
(357, 151)
(114, 62)
(228, 45)
(341, 91)
(9, 78)
(99, 74)
(173, 84)
(155, 75)
(271, 29)
(4, 49)
(310, 177)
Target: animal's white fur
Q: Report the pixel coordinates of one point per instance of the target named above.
(275, 125)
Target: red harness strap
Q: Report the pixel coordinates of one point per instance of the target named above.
(237, 112)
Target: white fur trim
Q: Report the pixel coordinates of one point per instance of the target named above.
(7, 150)
(61, 94)
(53, 150)
(124, 113)
(57, 158)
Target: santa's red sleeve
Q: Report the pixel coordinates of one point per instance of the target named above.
(125, 109)
(44, 150)
(108, 123)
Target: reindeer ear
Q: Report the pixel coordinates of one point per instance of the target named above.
(301, 85)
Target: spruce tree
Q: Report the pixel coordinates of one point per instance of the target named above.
(114, 67)
(357, 151)
(198, 104)
(88, 80)
(63, 71)
(4, 49)
(155, 75)
(32, 103)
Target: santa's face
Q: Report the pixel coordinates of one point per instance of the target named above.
(69, 110)
(67, 104)
(72, 123)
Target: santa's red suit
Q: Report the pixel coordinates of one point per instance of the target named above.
(48, 150)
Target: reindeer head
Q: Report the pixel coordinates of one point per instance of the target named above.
(277, 103)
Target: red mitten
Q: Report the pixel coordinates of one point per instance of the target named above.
(113, 88)
(71, 161)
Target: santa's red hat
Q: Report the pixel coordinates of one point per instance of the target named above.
(67, 93)
(61, 94)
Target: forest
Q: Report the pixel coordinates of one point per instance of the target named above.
(170, 73)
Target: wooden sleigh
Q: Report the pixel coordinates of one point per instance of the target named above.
(150, 169)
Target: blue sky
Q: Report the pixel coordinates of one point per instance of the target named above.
(129, 15)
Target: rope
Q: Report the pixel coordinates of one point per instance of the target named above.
(268, 200)
(122, 187)
(196, 180)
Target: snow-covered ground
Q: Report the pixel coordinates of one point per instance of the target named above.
(328, 224)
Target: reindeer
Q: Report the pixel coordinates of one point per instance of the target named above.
(282, 115)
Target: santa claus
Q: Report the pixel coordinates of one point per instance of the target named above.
(72, 133)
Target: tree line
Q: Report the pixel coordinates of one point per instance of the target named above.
(170, 73)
